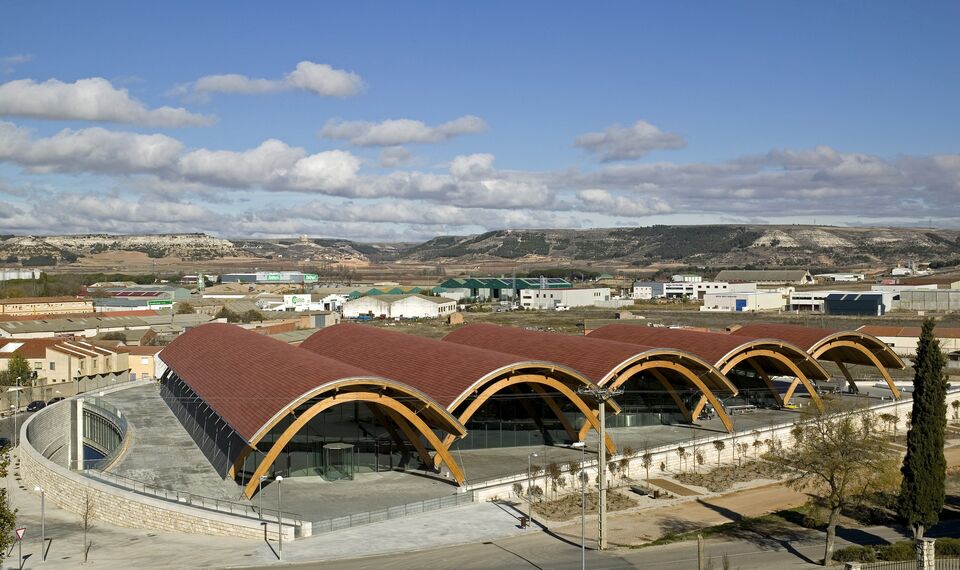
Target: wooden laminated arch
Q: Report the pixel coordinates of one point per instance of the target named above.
(753, 349)
(834, 341)
(537, 382)
(395, 409)
(654, 364)
(374, 386)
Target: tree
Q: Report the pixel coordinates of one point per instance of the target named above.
(185, 309)
(226, 313)
(697, 460)
(956, 409)
(87, 512)
(682, 453)
(646, 460)
(17, 372)
(837, 460)
(628, 454)
(252, 315)
(924, 467)
(889, 419)
(719, 446)
(8, 518)
(743, 447)
(555, 474)
(535, 471)
(574, 468)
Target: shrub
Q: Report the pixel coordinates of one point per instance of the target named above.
(904, 550)
(948, 546)
(854, 554)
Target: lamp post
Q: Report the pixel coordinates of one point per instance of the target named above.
(530, 457)
(259, 496)
(583, 505)
(601, 395)
(43, 522)
(279, 480)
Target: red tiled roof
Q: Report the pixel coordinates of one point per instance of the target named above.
(709, 346)
(247, 378)
(593, 357)
(140, 350)
(442, 370)
(804, 337)
(32, 347)
(27, 300)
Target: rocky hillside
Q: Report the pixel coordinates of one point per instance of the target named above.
(718, 245)
(46, 250)
(704, 245)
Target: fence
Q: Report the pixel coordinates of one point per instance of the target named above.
(400, 511)
(186, 498)
(941, 564)
(105, 426)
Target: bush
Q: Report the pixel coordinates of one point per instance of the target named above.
(948, 546)
(852, 554)
(904, 550)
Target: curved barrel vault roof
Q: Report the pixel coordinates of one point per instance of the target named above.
(447, 372)
(251, 380)
(602, 361)
(813, 339)
(717, 348)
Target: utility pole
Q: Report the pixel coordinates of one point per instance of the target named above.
(602, 395)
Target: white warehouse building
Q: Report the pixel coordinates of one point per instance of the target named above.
(399, 306)
(551, 298)
(689, 290)
(748, 301)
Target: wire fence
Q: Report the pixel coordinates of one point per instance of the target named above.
(399, 511)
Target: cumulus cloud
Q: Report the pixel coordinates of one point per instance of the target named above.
(88, 150)
(627, 143)
(317, 78)
(394, 156)
(393, 132)
(10, 62)
(263, 165)
(93, 99)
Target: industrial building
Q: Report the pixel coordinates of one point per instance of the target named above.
(399, 306)
(855, 304)
(137, 297)
(270, 278)
(744, 302)
(687, 289)
(903, 340)
(493, 289)
(553, 298)
(33, 306)
(767, 276)
(90, 327)
(930, 301)
(7, 274)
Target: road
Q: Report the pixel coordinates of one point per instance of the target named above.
(791, 548)
(6, 423)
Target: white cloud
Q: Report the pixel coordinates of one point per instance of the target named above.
(10, 62)
(626, 143)
(93, 99)
(602, 201)
(88, 150)
(271, 161)
(394, 156)
(394, 132)
(472, 166)
(318, 78)
(325, 171)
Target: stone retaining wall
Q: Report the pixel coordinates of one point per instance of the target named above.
(115, 505)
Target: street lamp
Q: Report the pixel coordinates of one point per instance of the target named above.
(279, 480)
(582, 446)
(43, 522)
(530, 457)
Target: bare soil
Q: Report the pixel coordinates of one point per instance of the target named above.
(568, 506)
(723, 478)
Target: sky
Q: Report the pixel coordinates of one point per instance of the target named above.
(381, 121)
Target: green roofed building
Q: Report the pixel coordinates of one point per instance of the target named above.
(492, 288)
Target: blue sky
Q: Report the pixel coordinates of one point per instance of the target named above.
(503, 114)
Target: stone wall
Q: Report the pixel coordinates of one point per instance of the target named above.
(114, 505)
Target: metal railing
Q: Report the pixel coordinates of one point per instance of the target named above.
(944, 563)
(113, 417)
(399, 511)
(225, 506)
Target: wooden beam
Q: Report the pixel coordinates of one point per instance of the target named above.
(764, 352)
(822, 350)
(766, 380)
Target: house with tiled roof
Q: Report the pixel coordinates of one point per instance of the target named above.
(57, 361)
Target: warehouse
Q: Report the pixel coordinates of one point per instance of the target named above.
(493, 289)
(553, 298)
(767, 276)
(31, 306)
(903, 340)
(270, 278)
(930, 301)
(399, 307)
(747, 302)
(687, 289)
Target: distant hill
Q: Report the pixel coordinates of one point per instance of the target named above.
(712, 245)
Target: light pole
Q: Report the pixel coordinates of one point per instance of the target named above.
(259, 496)
(583, 505)
(602, 395)
(279, 480)
(43, 522)
(530, 457)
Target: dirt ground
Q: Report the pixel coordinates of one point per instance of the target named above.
(641, 526)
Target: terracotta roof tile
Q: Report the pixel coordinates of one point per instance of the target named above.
(804, 337)
(708, 346)
(442, 370)
(247, 377)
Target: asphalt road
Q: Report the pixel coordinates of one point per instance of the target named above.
(799, 548)
(6, 423)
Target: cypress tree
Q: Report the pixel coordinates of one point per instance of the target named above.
(924, 467)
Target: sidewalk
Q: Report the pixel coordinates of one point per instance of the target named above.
(123, 548)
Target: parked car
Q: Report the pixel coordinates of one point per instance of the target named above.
(36, 405)
(54, 400)
(4, 442)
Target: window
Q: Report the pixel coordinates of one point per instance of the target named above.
(144, 360)
(53, 365)
(38, 366)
